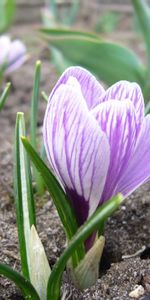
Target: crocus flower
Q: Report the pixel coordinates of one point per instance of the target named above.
(12, 54)
(97, 141)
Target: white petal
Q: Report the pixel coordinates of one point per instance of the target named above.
(123, 90)
(90, 87)
(76, 147)
(138, 170)
(117, 120)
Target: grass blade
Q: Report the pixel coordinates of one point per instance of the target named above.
(92, 224)
(33, 124)
(59, 197)
(4, 95)
(22, 283)
(23, 194)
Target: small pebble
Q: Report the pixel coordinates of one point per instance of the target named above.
(137, 292)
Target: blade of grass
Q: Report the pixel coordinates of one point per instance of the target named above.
(33, 124)
(92, 224)
(22, 283)
(60, 199)
(4, 95)
(23, 195)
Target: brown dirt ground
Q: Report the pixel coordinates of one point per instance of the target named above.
(126, 232)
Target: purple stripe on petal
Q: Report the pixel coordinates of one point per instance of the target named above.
(77, 149)
(123, 90)
(90, 87)
(117, 120)
(138, 170)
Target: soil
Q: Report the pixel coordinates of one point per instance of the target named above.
(126, 258)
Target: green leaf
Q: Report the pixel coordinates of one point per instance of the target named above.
(34, 103)
(33, 124)
(4, 95)
(142, 11)
(43, 153)
(57, 56)
(143, 15)
(23, 195)
(59, 32)
(147, 108)
(109, 62)
(40, 269)
(60, 199)
(70, 15)
(64, 15)
(86, 273)
(92, 224)
(107, 22)
(45, 96)
(22, 283)
(7, 10)
(58, 60)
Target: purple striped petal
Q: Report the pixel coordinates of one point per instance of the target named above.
(16, 57)
(91, 89)
(117, 120)
(77, 149)
(4, 48)
(138, 170)
(127, 90)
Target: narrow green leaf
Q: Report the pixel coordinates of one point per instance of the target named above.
(142, 11)
(7, 10)
(45, 96)
(52, 5)
(109, 62)
(59, 32)
(27, 289)
(58, 60)
(143, 14)
(60, 199)
(92, 224)
(147, 108)
(60, 16)
(23, 194)
(33, 124)
(34, 103)
(43, 153)
(69, 18)
(4, 95)
(40, 269)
